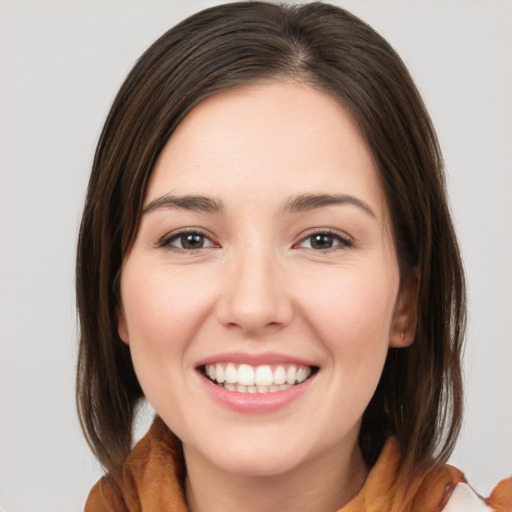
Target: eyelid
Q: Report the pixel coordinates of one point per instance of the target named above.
(165, 241)
(345, 240)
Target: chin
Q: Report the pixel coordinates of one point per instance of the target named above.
(262, 465)
(256, 457)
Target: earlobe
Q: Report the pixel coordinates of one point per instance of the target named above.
(405, 318)
(122, 329)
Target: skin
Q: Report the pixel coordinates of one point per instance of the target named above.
(258, 283)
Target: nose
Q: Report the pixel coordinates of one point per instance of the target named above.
(254, 296)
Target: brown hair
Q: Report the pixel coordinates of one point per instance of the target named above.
(419, 397)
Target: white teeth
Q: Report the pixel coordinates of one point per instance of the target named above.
(264, 376)
(256, 379)
(220, 377)
(245, 375)
(303, 373)
(240, 388)
(231, 374)
(290, 374)
(279, 375)
(211, 372)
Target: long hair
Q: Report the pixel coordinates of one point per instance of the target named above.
(419, 396)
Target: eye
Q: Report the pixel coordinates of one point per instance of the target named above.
(186, 241)
(325, 240)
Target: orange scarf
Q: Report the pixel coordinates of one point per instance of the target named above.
(152, 474)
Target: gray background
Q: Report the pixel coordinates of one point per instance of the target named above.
(61, 64)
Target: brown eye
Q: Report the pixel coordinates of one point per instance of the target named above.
(322, 241)
(325, 241)
(191, 241)
(187, 241)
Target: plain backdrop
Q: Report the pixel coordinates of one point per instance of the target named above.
(61, 65)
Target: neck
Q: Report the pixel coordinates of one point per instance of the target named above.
(324, 485)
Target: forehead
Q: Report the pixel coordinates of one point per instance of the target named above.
(264, 141)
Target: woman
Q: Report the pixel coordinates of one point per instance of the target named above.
(266, 255)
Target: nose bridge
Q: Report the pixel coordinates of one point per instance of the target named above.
(255, 296)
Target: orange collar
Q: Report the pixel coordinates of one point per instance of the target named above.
(152, 482)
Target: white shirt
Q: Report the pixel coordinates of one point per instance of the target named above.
(464, 499)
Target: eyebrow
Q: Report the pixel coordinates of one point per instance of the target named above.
(295, 204)
(197, 203)
(306, 202)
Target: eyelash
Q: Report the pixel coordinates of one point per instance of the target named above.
(343, 242)
(166, 241)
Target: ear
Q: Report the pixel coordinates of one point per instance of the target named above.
(122, 329)
(405, 318)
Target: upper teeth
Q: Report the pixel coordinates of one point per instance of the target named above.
(263, 376)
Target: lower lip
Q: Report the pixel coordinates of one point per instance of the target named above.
(256, 403)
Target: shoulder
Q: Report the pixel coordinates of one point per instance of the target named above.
(465, 499)
(150, 478)
(105, 496)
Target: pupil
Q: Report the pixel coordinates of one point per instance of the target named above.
(321, 242)
(192, 241)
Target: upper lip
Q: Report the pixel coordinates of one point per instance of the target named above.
(270, 358)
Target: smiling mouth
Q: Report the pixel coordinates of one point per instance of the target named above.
(245, 378)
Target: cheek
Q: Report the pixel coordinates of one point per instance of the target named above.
(163, 311)
(350, 314)
(163, 308)
(353, 310)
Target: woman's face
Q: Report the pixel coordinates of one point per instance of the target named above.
(264, 260)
